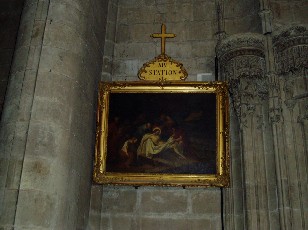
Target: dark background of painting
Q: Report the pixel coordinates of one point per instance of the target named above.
(192, 113)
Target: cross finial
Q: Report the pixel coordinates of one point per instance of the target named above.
(163, 35)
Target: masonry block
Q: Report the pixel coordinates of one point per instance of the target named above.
(123, 33)
(162, 201)
(35, 209)
(206, 202)
(119, 201)
(124, 222)
(204, 10)
(7, 211)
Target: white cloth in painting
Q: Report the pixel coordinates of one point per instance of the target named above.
(176, 145)
(150, 145)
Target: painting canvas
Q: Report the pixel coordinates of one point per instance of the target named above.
(171, 134)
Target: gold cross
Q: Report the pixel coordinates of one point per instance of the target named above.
(163, 37)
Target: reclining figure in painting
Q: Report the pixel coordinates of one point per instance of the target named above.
(151, 144)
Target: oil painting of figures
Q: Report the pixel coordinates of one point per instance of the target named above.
(162, 133)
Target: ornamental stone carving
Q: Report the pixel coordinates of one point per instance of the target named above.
(242, 63)
(291, 50)
(240, 44)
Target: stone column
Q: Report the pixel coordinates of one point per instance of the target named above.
(18, 104)
(10, 12)
(288, 113)
(233, 201)
(48, 122)
(242, 63)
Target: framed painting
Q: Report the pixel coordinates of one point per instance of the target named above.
(162, 134)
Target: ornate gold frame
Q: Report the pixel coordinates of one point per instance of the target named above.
(220, 179)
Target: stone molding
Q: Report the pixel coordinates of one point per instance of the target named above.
(275, 106)
(267, 17)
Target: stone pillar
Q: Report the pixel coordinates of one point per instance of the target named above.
(242, 63)
(233, 197)
(17, 109)
(288, 113)
(10, 11)
(47, 127)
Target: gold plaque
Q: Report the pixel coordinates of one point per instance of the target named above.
(162, 68)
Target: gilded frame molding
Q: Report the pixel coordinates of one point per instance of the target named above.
(222, 176)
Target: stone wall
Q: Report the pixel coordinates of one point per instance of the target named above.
(241, 16)
(160, 208)
(193, 46)
(286, 13)
(195, 23)
(149, 208)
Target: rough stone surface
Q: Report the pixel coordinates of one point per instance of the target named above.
(121, 201)
(289, 12)
(206, 202)
(160, 208)
(164, 202)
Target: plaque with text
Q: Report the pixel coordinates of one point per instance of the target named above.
(162, 68)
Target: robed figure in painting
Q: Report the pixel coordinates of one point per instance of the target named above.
(151, 144)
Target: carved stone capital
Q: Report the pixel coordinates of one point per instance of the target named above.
(241, 56)
(239, 45)
(291, 50)
(242, 64)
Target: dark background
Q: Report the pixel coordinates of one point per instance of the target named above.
(130, 106)
(192, 113)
